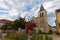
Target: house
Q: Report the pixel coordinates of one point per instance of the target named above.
(3, 21)
(57, 20)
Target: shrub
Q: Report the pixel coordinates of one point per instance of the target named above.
(15, 36)
(36, 36)
(48, 38)
(21, 37)
(41, 37)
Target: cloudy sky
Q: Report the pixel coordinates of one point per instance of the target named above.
(13, 9)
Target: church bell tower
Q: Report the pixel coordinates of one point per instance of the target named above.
(42, 12)
(42, 20)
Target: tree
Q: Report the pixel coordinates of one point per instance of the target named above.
(22, 23)
(6, 26)
(19, 23)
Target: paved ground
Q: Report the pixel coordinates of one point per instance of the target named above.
(0, 39)
(55, 37)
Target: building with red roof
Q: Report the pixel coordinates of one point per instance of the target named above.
(3, 21)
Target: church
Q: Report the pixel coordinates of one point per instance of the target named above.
(41, 21)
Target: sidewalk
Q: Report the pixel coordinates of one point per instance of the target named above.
(0, 39)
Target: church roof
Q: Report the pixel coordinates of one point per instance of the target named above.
(42, 8)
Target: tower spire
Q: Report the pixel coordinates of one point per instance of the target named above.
(42, 8)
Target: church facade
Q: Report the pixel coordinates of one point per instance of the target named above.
(41, 21)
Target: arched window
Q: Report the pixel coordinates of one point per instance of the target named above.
(40, 14)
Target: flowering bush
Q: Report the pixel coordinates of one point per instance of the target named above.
(30, 25)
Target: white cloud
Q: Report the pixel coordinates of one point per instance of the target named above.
(17, 7)
(2, 4)
(13, 12)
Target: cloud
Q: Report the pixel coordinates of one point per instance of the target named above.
(51, 6)
(2, 4)
(12, 9)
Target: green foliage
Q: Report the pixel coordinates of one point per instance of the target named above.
(4, 27)
(48, 38)
(15, 36)
(21, 37)
(37, 37)
(41, 37)
(19, 23)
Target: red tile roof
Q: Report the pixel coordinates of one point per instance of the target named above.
(3, 20)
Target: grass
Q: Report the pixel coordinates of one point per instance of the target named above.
(41, 37)
(35, 36)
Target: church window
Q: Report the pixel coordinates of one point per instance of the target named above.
(42, 14)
